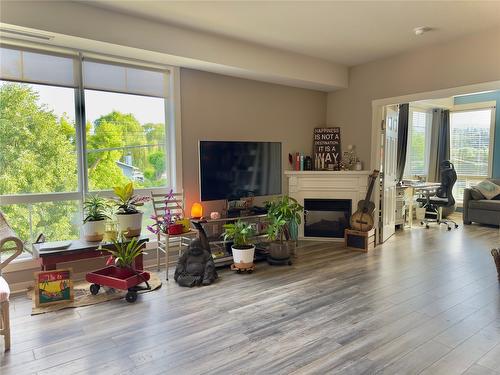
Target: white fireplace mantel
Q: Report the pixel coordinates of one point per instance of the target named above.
(327, 185)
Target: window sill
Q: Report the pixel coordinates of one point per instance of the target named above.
(22, 265)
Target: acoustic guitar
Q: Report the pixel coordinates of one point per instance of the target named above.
(362, 220)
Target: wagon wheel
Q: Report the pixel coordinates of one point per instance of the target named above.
(94, 289)
(131, 296)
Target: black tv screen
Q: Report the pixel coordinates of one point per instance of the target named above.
(232, 170)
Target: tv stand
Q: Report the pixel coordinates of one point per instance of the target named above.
(221, 250)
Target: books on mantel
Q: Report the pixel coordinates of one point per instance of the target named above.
(301, 162)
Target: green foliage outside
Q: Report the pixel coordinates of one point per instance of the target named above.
(38, 155)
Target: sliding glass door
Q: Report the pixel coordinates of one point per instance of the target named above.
(471, 143)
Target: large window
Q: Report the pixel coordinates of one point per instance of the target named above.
(417, 153)
(470, 147)
(125, 140)
(62, 136)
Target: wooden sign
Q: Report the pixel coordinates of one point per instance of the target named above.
(53, 287)
(327, 154)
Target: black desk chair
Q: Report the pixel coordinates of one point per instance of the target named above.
(443, 197)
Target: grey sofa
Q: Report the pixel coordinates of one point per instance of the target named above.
(483, 211)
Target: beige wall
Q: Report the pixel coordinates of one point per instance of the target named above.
(217, 107)
(470, 60)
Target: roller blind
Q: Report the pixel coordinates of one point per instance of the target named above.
(124, 79)
(36, 67)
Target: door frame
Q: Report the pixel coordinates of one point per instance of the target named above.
(378, 118)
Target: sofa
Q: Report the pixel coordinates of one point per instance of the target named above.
(480, 210)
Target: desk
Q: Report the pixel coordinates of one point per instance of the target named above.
(405, 199)
(78, 250)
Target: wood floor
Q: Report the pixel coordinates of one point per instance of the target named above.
(427, 301)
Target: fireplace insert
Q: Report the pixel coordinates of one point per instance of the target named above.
(326, 217)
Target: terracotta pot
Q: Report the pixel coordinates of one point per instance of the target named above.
(130, 224)
(94, 230)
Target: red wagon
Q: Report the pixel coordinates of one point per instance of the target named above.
(119, 278)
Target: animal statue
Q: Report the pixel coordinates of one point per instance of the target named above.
(196, 266)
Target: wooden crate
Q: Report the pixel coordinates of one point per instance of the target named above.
(359, 241)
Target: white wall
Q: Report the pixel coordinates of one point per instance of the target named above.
(470, 60)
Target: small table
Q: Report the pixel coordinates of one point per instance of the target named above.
(78, 250)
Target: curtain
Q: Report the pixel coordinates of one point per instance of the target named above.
(440, 142)
(402, 138)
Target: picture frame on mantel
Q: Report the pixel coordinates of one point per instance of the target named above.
(327, 148)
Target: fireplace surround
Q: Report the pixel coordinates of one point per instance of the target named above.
(322, 187)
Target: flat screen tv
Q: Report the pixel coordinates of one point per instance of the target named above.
(232, 170)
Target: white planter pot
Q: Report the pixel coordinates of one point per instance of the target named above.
(94, 230)
(130, 225)
(243, 255)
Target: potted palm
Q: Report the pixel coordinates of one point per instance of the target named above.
(128, 216)
(284, 214)
(240, 233)
(94, 223)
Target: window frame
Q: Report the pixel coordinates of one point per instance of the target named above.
(469, 107)
(172, 133)
(428, 136)
(491, 105)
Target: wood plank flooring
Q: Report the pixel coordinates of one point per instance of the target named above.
(427, 301)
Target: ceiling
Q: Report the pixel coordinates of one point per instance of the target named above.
(345, 32)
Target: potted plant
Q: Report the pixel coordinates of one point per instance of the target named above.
(240, 232)
(173, 221)
(128, 216)
(124, 253)
(120, 272)
(94, 223)
(284, 214)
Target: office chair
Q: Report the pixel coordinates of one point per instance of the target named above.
(443, 197)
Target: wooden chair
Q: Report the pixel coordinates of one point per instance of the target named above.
(165, 240)
(7, 235)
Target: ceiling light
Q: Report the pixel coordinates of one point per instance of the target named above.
(421, 30)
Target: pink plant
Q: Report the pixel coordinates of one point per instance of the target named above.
(162, 223)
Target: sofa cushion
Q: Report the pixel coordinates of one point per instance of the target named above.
(488, 188)
(485, 204)
(4, 290)
(476, 194)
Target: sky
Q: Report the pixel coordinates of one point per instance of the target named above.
(97, 103)
(479, 118)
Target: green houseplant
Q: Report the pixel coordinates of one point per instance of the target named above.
(284, 213)
(128, 216)
(124, 253)
(240, 233)
(96, 213)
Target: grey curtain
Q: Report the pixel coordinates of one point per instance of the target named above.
(440, 142)
(402, 138)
